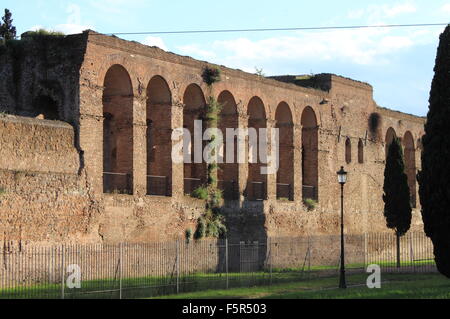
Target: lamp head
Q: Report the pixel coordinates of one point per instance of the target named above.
(342, 176)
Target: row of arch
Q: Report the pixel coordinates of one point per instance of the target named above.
(118, 141)
(409, 157)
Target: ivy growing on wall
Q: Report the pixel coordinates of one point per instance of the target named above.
(212, 222)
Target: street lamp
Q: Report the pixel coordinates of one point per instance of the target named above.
(342, 178)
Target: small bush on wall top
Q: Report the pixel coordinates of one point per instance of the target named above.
(211, 75)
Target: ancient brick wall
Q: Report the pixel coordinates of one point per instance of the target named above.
(129, 97)
(43, 199)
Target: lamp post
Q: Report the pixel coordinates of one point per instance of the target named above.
(342, 178)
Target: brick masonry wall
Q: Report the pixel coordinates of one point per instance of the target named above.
(342, 111)
(43, 199)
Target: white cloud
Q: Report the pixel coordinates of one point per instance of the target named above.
(196, 51)
(445, 8)
(117, 7)
(375, 46)
(377, 13)
(155, 41)
(73, 23)
(64, 28)
(69, 28)
(395, 10)
(363, 47)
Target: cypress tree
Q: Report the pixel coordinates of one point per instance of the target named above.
(7, 30)
(434, 179)
(397, 204)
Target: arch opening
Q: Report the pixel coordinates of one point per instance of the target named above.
(285, 174)
(194, 109)
(257, 182)
(117, 132)
(390, 135)
(310, 155)
(159, 143)
(228, 174)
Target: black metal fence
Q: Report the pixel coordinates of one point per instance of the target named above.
(191, 184)
(158, 186)
(150, 270)
(309, 192)
(257, 191)
(117, 183)
(230, 189)
(284, 192)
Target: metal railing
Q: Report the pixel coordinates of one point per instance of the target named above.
(191, 184)
(230, 189)
(284, 191)
(257, 191)
(309, 192)
(157, 269)
(117, 183)
(158, 186)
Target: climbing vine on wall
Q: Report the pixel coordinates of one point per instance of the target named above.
(212, 222)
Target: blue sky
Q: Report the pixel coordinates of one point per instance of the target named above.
(397, 62)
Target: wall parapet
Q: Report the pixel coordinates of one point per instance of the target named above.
(36, 145)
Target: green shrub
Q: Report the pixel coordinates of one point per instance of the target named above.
(310, 204)
(42, 33)
(2, 191)
(201, 229)
(213, 110)
(211, 223)
(216, 197)
(188, 235)
(200, 193)
(211, 75)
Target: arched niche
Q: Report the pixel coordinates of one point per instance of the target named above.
(285, 174)
(257, 182)
(117, 131)
(390, 135)
(194, 110)
(159, 143)
(310, 156)
(228, 174)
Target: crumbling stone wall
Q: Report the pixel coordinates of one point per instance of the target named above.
(43, 199)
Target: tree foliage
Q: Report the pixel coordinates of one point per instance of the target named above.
(211, 75)
(434, 179)
(397, 205)
(7, 30)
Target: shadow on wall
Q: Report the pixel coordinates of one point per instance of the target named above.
(36, 70)
(247, 237)
(45, 107)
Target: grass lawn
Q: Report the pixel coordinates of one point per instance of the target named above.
(150, 286)
(396, 286)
